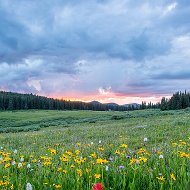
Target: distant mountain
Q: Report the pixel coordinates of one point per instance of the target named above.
(111, 104)
(135, 105)
(95, 102)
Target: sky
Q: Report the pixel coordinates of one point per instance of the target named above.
(121, 51)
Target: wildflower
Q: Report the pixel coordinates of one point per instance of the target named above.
(98, 186)
(184, 155)
(117, 152)
(15, 151)
(7, 165)
(161, 156)
(121, 167)
(64, 171)
(57, 186)
(142, 151)
(128, 156)
(133, 161)
(69, 153)
(100, 141)
(19, 165)
(101, 161)
(124, 146)
(77, 152)
(161, 178)
(28, 186)
(97, 176)
(52, 151)
(172, 176)
(107, 168)
(93, 155)
(28, 166)
(79, 172)
(12, 186)
(145, 139)
(13, 163)
(47, 163)
(143, 159)
(22, 159)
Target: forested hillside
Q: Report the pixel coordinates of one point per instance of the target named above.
(16, 101)
(179, 100)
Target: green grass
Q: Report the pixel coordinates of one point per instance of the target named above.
(67, 128)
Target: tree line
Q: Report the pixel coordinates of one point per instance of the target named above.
(17, 101)
(179, 100)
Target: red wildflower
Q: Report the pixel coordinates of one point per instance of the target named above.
(98, 186)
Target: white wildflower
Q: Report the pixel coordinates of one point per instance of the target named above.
(19, 164)
(22, 159)
(161, 156)
(28, 186)
(13, 163)
(28, 166)
(145, 139)
(107, 168)
(15, 151)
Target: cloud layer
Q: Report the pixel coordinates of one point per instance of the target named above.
(116, 50)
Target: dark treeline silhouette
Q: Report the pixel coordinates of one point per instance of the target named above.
(17, 101)
(179, 100)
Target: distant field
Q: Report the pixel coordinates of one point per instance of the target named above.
(33, 120)
(75, 149)
(16, 121)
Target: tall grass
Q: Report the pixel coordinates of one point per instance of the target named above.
(136, 152)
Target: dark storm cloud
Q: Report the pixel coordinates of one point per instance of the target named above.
(82, 46)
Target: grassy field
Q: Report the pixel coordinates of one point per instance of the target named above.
(74, 150)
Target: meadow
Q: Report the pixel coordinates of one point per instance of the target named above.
(85, 150)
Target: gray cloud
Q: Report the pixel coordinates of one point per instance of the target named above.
(69, 47)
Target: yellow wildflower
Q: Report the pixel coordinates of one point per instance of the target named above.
(172, 176)
(97, 176)
(124, 146)
(117, 152)
(101, 161)
(161, 178)
(57, 186)
(93, 155)
(59, 169)
(7, 165)
(64, 171)
(79, 172)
